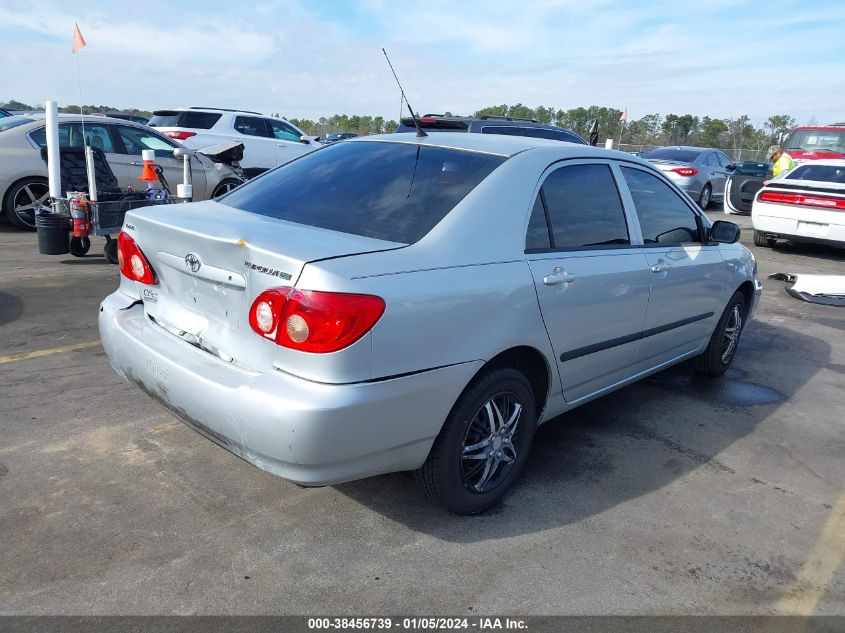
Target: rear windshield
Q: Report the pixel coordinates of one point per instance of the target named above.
(750, 168)
(817, 140)
(8, 123)
(822, 173)
(184, 118)
(669, 153)
(388, 191)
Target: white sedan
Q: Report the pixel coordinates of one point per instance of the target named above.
(808, 205)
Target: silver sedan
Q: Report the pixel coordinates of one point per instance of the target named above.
(403, 303)
(701, 172)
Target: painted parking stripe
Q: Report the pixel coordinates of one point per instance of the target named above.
(11, 358)
(818, 572)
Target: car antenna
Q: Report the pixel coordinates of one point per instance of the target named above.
(420, 132)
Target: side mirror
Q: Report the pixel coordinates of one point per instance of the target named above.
(725, 232)
(731, 167)
(305, 139)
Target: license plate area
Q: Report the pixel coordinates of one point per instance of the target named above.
(813, 229)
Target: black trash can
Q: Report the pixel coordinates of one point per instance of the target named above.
(53, 233)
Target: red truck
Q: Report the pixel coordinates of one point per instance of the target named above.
(815, 142)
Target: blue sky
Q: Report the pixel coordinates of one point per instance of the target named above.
(310, 59)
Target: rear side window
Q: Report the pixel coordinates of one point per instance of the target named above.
(505, 130)
(184, 118)
(584, 207)
(252, 126)
(539, 132)
(387, 191)
(664, 218)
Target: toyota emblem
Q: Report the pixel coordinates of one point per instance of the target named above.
(192, 261)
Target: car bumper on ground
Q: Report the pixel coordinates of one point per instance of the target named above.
(307, 432)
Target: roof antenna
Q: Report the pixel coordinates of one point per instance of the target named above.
(420, 132)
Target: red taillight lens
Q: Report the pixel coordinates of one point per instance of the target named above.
(685, 171)
(180, 135)
(313, 321)
(819, 202)
(133, 264)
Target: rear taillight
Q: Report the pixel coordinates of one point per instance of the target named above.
(314, 321)
(133, 264)
(819, 202)
(685, 171)
(181, 136)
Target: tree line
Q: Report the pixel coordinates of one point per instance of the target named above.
(650, 130)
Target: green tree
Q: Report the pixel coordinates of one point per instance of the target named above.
(712, 132)
(779, 126)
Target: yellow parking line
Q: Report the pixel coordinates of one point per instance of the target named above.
(11, 358)
(821, 566)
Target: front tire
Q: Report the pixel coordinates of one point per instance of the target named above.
(225, 186)
(483, 445)
(723, 344)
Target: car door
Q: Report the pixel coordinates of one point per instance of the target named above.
(132, 140)
(719, 175)
(288, 145)
(688, 275)
(591, 277)
(258, 140)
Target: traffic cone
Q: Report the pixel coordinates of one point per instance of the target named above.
(148, 174)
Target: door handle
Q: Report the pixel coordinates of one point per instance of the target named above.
(660, 267)
(558, 276)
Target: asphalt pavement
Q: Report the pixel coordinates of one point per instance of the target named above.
(679, 494)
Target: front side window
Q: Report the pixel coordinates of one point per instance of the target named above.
(388, 191)
(664, 218)
(283, 131)
(251, 126)
(135, 140)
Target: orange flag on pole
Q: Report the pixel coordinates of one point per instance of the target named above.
(78, 40)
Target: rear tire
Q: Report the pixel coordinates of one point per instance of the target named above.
(483, 445)
(760, 239)
(79, 246)
(723, 343)
(23, 200)
(705, 197)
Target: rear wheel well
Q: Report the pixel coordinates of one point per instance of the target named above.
(532, 364)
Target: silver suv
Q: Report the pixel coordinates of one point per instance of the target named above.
(403, 303)
(268, 141)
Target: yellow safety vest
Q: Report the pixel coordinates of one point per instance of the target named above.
(784, 163)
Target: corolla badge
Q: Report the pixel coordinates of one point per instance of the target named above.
(192, 261)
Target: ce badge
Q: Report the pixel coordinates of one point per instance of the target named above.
(192, 262)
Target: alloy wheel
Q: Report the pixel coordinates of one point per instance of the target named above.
(730, 337)
(29, 200)
(492, 443)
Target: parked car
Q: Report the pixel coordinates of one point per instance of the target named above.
(806, 205)
(700, 171)
(338, 136)
(507, 126)
(816, 142)
(267, 141)
(135, 118)
(23, 173)
(743, 184)
(403, 303)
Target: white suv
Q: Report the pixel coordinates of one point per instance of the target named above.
(267, 141)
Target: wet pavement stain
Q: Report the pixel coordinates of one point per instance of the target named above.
(729, 390)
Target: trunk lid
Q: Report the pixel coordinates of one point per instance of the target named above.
(212, 261)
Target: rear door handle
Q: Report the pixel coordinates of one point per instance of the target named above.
(660, 267)
(558, 276)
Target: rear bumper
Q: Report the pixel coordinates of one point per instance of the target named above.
(307, 432)
(828, 228)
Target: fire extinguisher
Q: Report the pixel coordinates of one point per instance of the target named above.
(80, 212)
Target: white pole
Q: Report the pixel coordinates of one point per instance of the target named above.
(608, 144)
(92, 179)
(54, 173)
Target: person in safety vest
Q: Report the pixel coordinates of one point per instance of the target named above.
(781, 160)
